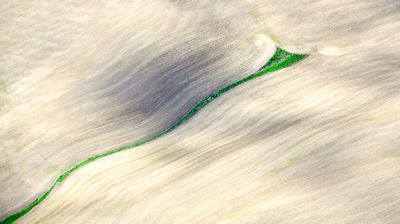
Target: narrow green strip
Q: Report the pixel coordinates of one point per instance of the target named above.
(281, 59)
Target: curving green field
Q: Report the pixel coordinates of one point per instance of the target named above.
(281, 59)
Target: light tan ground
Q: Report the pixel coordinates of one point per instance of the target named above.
(314, 143)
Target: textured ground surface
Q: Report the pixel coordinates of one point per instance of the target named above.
(315, 142)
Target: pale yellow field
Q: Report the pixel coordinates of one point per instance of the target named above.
(317, 142)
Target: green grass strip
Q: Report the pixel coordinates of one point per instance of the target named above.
(281, 59)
